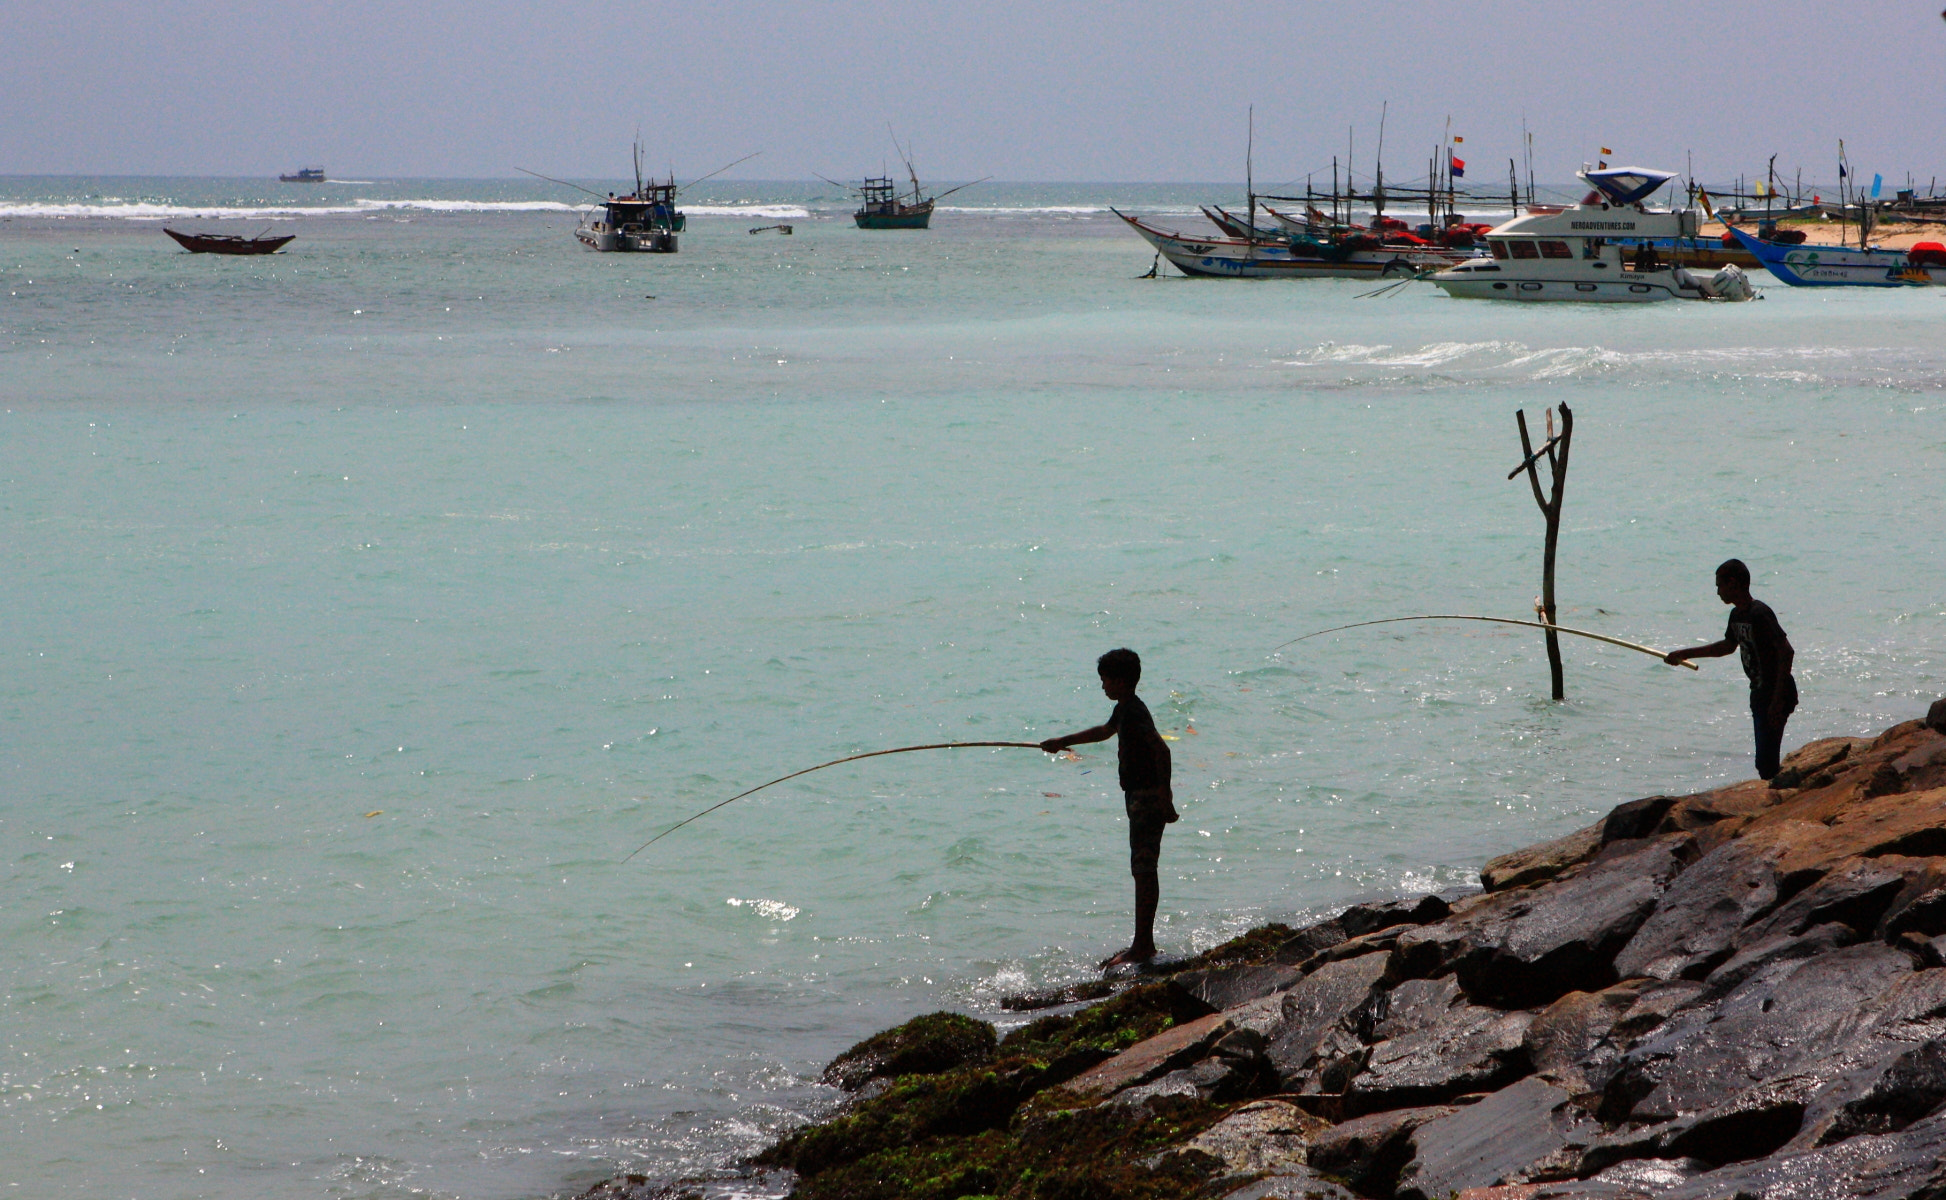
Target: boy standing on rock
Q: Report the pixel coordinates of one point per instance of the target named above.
(1767, 658)
(1145, 788)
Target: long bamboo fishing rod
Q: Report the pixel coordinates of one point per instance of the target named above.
(821, 766)
(1599, 637)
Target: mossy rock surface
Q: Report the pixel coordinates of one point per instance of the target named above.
(924, 1045)
(988, 1123)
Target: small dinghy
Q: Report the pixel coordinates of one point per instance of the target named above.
(228, 243)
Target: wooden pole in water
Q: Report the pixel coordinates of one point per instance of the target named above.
(1556, 453)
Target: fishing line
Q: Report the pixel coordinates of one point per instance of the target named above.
(821, 766)
(1599, 637)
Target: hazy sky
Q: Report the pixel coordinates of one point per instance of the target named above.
(1022, 91)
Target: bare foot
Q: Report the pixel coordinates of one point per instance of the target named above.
(1129, 957)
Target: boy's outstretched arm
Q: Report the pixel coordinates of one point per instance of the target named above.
(1713, 650)
(1098, 733)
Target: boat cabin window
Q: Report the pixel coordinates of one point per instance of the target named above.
(1524, 250)
(1499, 249)
(1556, 250)
(1591, 247)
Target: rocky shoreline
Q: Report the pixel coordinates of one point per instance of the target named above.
(1735, 994)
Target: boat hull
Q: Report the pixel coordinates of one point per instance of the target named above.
(1236, 259)
(901, 220)
(610, 241)
(1839, 266)
(1619, 291)
(223, 243)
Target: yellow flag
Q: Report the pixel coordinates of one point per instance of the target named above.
(1606, 150)
(1457, 140)
(1703, 198)
(1763, 189)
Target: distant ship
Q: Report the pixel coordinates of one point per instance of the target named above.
(304, 175)
(645, 221)
(881, 206)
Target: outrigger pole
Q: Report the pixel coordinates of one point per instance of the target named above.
(821, 766)
(1599, 637)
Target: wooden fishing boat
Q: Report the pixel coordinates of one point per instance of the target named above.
(880, 206)
(1360, 256)
(1804, 265)
(228, 243)
(304, 175)
(646, 221)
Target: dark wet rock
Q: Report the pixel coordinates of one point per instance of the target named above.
(1697, 917)
(1919, 906)
(922, 1046)
(1783, 947)
(1433, 1046)
(1783, 1018)
(1884, 1097)
(1815, 759)
(1325, 1017)
(1856, 893)
(1368, 1152)
(1310, 940)
(1504, 1138)
(1229, 987)
(1264, 1135)
(1751, 1123)
(1527, 947)
(638, 1187)
(1291, 1185)
(1909, 1164)
(1165, 1052)
(1568, 1041)
(1361, 919)
(1635, 820)
(1538, 864)
(1936, 716)
(1637, 1179)
(1211, 1079)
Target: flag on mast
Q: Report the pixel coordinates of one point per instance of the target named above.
(1459, 165)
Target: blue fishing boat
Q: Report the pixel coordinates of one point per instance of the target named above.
(1847, 266)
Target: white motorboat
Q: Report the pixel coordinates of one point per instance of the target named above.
(1571, 254)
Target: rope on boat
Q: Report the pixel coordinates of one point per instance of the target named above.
(1599, 637)
(821, 766)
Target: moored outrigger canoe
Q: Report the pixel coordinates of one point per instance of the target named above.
(228, 243)
(1804, 265)
(1294, 257)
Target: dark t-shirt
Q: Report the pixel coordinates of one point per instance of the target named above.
(1136, 738)
(1760, 642)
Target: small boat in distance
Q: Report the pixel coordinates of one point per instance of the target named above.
(881, 206)
(645, 221)
(304, 175)
(228, 243)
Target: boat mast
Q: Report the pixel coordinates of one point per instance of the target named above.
(1378, 165)
(1249, 175)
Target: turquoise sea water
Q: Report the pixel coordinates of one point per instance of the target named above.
(365, 605)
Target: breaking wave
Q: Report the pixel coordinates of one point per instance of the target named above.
(1503, 359)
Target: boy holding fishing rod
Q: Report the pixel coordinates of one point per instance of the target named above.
(1145, 788)
(1767, 657)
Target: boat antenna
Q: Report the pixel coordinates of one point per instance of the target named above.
(718, 171)
(950, 191)
(821, 766)
(564, 183)
(637, 146)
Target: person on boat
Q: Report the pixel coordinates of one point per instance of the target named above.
(1146, 795)
(1767, 656)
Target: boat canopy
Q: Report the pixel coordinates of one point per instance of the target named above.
(1627, 185)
